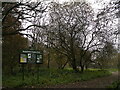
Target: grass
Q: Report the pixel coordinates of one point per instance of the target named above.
(112, 69)
(114, 84)
(0, 80)
(51, 77)
(109, 69)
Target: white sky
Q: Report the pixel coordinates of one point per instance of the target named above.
(95, 4)
(98, 4)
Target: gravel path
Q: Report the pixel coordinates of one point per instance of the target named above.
(94, 83)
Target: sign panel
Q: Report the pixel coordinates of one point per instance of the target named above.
(39, 59)
(23, 58)
(29, 55)
(33, 58)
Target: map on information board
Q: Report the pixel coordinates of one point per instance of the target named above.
(23, 58)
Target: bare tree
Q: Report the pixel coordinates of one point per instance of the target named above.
(107, 25)
(70, 30)
(24, 12)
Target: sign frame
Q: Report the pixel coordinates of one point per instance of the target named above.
(35, 53)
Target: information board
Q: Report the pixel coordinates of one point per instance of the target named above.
(31, 56)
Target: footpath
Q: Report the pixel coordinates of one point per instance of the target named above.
(101, 82)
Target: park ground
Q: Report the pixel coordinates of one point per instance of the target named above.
(53, 78)
(102, 82)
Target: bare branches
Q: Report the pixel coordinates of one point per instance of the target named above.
(21, 11)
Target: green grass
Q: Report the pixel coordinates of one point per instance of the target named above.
(0, 79)
(114, 84)
(51, 77)
(112, 69)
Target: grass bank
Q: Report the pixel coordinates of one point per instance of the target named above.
(51, 77)
(115, 85)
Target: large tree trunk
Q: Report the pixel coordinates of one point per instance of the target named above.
(48, 60)
(74, 65)
(72, 54)
(86, 67)
(82, 68)
(81, 65)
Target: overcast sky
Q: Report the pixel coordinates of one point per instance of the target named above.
(95, 4)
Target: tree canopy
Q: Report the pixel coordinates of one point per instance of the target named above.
(71, 31)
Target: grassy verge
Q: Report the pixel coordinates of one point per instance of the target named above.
(115, 84)
(112, 69)
(51, 77)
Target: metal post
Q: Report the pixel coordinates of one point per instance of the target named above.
(38, 72)
(23, 72)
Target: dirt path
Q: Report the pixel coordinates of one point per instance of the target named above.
(94, 83)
